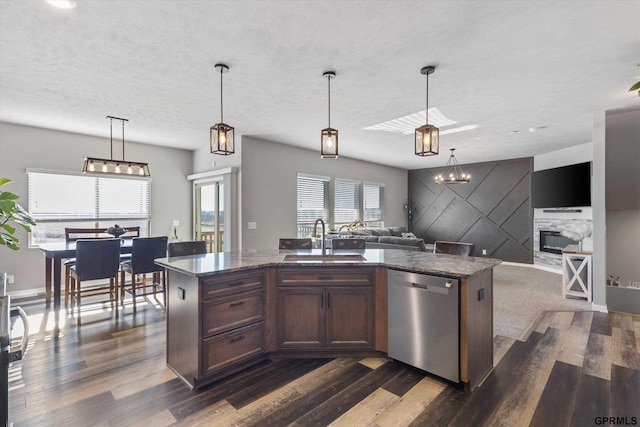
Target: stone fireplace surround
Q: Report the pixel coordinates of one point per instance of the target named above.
(554, 220)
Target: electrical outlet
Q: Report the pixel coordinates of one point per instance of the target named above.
(176, 223)
(484, 252)
(252, 225)
(10, 279)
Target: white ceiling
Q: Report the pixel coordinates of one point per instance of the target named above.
(501, 65)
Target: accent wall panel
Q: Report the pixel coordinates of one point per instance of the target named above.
(493, 210)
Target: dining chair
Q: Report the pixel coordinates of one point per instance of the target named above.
(294, 243)
(195, 247)
(73, 234)
(455, 248)
(347, 244)
(144, 251)
(95, 259)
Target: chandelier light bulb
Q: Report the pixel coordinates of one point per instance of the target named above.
(117, 169)
(129, 170)
(105, 169)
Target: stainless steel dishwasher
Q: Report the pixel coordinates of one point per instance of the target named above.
(423, 322)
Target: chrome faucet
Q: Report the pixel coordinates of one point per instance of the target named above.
(315, 230)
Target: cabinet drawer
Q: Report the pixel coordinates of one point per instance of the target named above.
(237, 282)
(326, 276)
(220, 314)
(226, 349)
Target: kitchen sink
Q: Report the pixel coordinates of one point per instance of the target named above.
(324, 258)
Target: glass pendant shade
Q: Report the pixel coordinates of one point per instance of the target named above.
(329, 136)
(329, 143)
(427, 136)
(222, 139)
(115, 167)
(453, 173)
(427, 140)
(221, 135)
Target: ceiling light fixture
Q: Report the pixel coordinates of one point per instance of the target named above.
(453, 172)
(221, 136)
(427, 136)
(63, 4)
(115, 167)
(329, 137)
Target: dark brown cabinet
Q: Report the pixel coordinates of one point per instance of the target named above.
(325, 309)
(230, 311)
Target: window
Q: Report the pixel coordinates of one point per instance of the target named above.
(58, 200)
(346, 202)
(349, 201)
(313, 202)
(373, 204)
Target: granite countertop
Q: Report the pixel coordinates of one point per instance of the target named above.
(397, 259)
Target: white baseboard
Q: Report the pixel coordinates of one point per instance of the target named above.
(27, 293)
(598, 307)
(539, 267)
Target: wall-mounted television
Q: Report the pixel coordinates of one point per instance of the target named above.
(564, 187)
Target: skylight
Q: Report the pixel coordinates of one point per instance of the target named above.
(406, 125)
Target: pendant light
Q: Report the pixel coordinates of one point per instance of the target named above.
(221, 134)
(111, 166)
(427, 136)
(329, 137)
(453, 172)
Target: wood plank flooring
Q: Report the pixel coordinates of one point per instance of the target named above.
(574, 369)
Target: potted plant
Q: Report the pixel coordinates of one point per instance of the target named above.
(12, 213)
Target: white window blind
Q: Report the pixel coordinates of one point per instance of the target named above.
(313, 198)
(346, 204)
(59, 200)
(373, 202)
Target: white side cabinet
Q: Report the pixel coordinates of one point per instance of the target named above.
(576, 272)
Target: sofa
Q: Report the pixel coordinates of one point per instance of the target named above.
(383, 238)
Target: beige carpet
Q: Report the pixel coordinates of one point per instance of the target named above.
(521, 294)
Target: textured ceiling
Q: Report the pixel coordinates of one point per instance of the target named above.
(503, 66)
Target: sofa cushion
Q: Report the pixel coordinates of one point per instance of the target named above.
(395, 240)
(361, 233)
(379, 231)
(397, 231)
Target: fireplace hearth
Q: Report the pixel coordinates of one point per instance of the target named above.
(553, 241)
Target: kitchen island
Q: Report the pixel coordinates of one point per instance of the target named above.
(228, 311)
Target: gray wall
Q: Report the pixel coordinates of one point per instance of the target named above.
(493, 210)
(268, 196)
(623, 197)
(23, 147)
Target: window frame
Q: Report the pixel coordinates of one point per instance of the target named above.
(52, 223)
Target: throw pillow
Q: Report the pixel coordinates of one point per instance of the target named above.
(408, 236)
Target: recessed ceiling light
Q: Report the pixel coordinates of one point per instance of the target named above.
(63, 4)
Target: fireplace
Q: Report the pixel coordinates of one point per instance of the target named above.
(553, 241)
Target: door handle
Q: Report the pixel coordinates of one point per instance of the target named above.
(17, 354)
(235, 304)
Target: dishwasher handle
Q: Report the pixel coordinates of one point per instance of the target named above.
(434, 288)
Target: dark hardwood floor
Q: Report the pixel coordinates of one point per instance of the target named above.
(574, 369)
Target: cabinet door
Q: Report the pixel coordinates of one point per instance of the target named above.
(349, 315)
(301, 318)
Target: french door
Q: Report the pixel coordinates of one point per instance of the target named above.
(209, 225)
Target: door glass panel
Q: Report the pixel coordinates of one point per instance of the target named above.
(210, 214)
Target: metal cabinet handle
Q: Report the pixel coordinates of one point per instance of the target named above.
(448, 284)
(328, 300)
(236, 339)
(235, 304)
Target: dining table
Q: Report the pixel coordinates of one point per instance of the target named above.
(54, 253)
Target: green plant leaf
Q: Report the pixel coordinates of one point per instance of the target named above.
(635, 87)
(5, 195)
(4, 181)
(9, 228)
